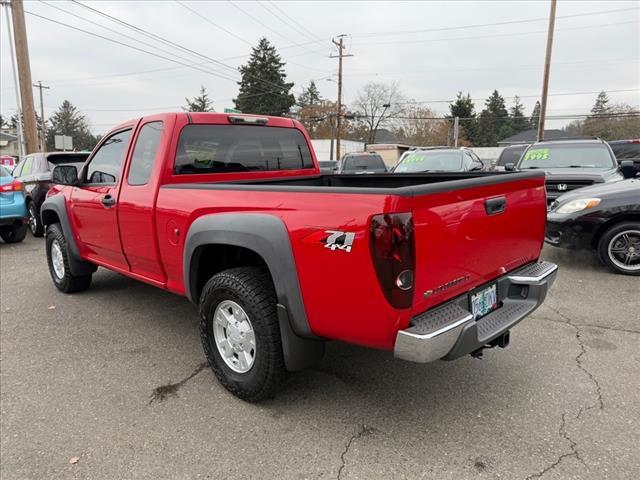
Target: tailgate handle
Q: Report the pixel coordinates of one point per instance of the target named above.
(493, 206)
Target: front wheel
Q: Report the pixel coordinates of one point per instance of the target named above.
(619, 248)
(58, 260)
(240, 332)
(35, 224)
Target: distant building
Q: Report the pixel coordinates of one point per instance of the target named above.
(326, 148)
(530, 136)
(9, 143)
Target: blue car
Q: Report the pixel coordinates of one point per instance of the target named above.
(14, 216)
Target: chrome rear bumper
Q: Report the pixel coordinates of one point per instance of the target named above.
(450, 331)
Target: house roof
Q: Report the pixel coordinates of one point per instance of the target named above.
(530, 136)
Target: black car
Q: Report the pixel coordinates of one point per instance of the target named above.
(35, 173)
(361, 163)
(605, 218)
(438, 159)
(510, 154)
(570, 164)
(626, 150)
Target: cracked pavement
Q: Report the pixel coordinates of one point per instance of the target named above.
(114, 377)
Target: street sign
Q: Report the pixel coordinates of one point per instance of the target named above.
(63, 142)
(231, 110)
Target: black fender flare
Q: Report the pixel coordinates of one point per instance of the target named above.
(267, 236)
(57, 204)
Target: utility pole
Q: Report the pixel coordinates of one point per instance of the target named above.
(24, 75)
(340, 56)
(547, 67)
(21, 146)
(43, 131)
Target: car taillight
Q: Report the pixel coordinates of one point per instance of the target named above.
(393, 253)
(14, 186)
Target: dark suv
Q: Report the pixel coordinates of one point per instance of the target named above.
(570, 164)
(35, 173)
(363, 162)
(627, 150)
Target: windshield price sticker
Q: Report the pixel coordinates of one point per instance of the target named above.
(537, 154)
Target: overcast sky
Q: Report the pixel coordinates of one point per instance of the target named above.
(433, 49)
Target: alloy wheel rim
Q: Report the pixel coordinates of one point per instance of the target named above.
(57, 261)
(33, 221)
(624, 250)
(234, 336)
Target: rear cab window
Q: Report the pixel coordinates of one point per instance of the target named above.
(240, 148)
(626, 150)
(510, 155)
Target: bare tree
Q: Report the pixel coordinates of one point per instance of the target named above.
(421, 126)
(376, 104)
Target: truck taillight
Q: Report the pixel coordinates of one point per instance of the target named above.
(14, 186)
(393, 253)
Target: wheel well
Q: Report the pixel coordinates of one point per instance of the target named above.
(49, 217)
(623, 217)
(210, 259)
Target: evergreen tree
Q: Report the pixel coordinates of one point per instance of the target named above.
(518, 121)
(535, 116)
(602, 104)
(68, 120)
(310, 97)
(199, 103)
(464, 109)
(493, 124)
(263, 88)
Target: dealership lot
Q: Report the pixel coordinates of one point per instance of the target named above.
(114, 377)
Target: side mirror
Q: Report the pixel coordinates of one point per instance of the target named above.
(65, 175)
(510, 167)
(627, 169)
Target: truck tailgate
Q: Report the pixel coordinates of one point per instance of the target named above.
(466, 237)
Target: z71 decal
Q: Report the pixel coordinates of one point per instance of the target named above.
(338, 240)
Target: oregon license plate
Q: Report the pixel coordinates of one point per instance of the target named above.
(484, 301)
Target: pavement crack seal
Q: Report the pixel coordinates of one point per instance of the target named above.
(562, 431)
(363, 431)
(599, 403)
(161, 393)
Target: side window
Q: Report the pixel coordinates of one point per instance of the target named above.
(26, 168)
(144, 153)
(18, 170)
(105, 165)
(40, 165)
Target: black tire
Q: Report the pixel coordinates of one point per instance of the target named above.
(15, 235)
(251, 288)
(35, 224)
(67, 282)
(612, 238)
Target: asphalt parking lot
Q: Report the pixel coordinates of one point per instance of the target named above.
(114, 377)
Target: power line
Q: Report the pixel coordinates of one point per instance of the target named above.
(496, 35)
(220, 75)
(494, 24)
(117, 32)
(291, 23)
(174, 44)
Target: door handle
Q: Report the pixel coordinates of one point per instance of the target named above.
(493, 206)
(108, 201)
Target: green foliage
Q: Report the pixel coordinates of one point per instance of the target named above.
(199, 103)
(310, 96)
(493, 123)
(464, 108)
(68, 120)
(518, 121)
(535, 116)
(264, 66)
(601, 106)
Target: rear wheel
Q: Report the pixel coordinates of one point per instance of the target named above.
(240, 332)
(619, 248)
(15, 234)
(58, 261)
(35, 224)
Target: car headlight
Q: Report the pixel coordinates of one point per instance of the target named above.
(578, 205)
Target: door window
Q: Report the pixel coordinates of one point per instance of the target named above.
(144, 153)
(105, 165)
(26, 168)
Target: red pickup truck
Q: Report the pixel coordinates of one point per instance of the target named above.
(232, 212)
